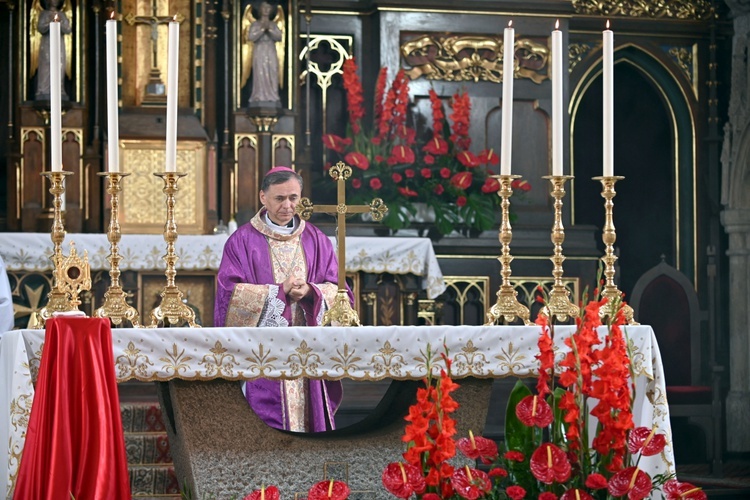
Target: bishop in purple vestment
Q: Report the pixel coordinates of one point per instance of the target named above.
(278, 270)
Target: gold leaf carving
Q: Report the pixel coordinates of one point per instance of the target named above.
(678, 9)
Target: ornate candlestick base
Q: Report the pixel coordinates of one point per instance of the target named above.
(115, 306)
(507, 308)
(172, 310)
(558, 303)
(341, 311)
(58, 300)
(609, 237)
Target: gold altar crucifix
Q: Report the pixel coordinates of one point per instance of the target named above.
(341, 310)
(156, 91)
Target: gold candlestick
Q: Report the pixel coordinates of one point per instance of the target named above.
(609, 237)
(172, 310)
(58, 300)
(558, 304)
(115, 306)
(507, 307)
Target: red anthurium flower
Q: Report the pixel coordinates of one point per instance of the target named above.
(489, 156)
(470, 483)
(461, 201)
(439, 189)
(468, 159)
(547, 495)
(576, 494)
(521, 185)
(401, 155)
(515, 492)
(514, 455)
(437, 146)
(405, 191)
(462, 180)
(403, 480)
(491, 185)
(477, 447)
(357, 160)
(676, 490)
(270, 493)
(632, 482)
(549, 464)
(356, 183)
(646, 441)
(375, 183)
(534, 411)
(329, 490)
(397, 177)
(335, 142)
(596, 481)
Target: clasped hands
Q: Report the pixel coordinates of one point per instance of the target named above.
(296, 289)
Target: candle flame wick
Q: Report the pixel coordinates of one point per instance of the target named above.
(112, 15)
(607, 23)
(57, 19)
(557, 24)
(174, 18)
(510, 23)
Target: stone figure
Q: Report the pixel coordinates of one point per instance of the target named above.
(42, 14)
(263, 54)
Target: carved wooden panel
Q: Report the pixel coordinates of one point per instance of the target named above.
(283, 150)
(245, 178)
(198, 292)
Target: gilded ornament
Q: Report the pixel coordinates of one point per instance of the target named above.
(677, 9)
(576, 53)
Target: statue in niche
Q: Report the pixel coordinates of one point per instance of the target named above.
(42, 14)
(263, 54)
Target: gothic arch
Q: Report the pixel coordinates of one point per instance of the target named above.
(680, 103)
(739, 179)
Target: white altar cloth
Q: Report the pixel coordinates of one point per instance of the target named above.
(363, 353)
(31, 251)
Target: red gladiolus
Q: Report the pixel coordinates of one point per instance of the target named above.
(461, 201)
(534, 411)
(270, 493)
(357, 160)
(437, 112)
(439, 189)
(470, 483)
(646, 441)
(336, 143)
(445, 172)
(676, 490)
(468, 159)
(498, 472)
(547, 495)
(379, 94)
(596, 481)
(329, 490)
(491, 185)
(397, 177)
(549, 464)
(488, 156)
(461, 107)
(376, 141)
(354, 98)
(405, 191)
(514, 455)
(409, 173)
(632, 482)
(478, 447)
(356, 183)
(375, 183)
(401, 155)
(462, 180)
(426, 173)
(403, 480)
(576, 494)
(437, 146)
(546, 357)
(515, 492)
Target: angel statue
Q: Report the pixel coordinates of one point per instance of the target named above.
(42, 14)
(263, 53)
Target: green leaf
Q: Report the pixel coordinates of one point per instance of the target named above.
(517, 435)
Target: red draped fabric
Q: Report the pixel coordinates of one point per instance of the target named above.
(74, 443)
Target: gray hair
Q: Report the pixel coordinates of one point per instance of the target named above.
(280, 178)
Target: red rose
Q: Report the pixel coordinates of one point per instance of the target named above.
(445, 172)
(357, 160)
(409, 173)
(426, 173)
(491, 185)
(462, 180)
(356, 183)
(515, 492)
(397, 177)
(439, 189)
(429, 159)
(596, 481)
(375, 183)
(461, 201)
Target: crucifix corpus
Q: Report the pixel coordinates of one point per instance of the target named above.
(156, 91)
(341, 310)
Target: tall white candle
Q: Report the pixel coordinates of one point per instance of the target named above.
(172, 81)
(506, 143)
(113, 131)
(557, 101)
(608, 141)
(54, 96)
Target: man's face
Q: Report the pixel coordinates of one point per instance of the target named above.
(280, 200)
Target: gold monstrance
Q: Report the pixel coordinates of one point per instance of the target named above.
(341, 310)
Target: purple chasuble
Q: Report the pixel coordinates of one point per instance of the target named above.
(247, 259)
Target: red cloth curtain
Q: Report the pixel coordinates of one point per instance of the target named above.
(74, 443)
